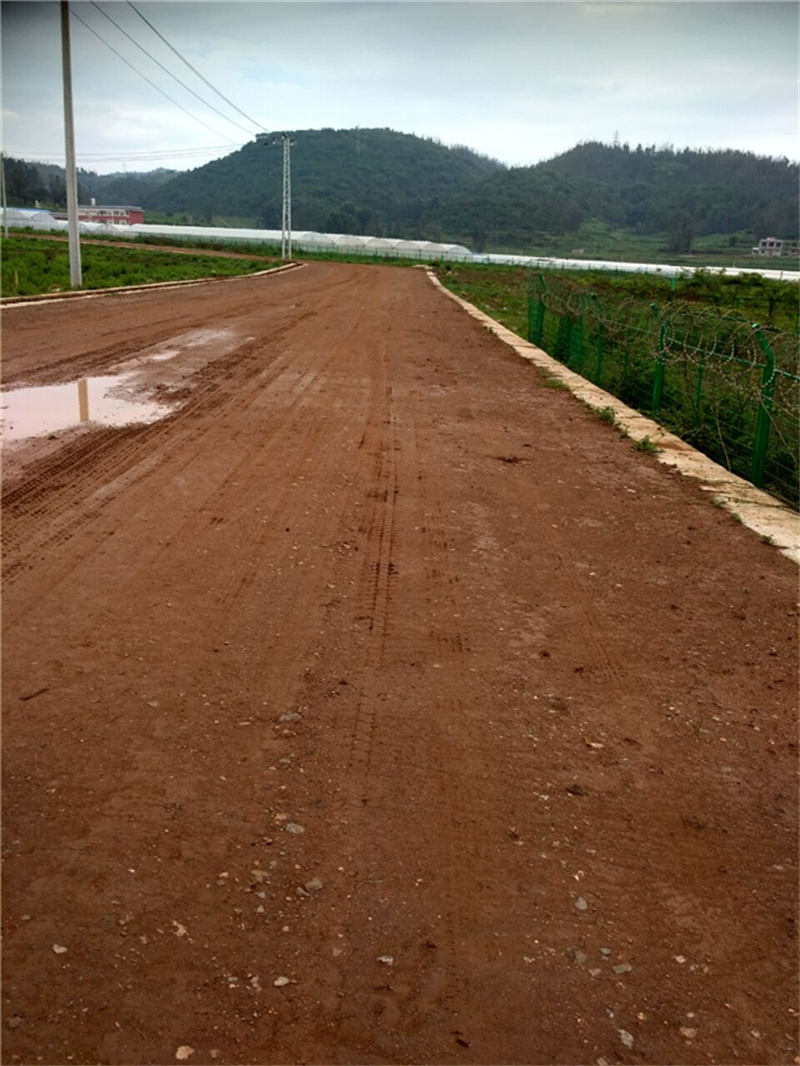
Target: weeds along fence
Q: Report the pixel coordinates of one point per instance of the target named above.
(729, 387)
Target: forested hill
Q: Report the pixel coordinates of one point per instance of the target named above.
(377, 181)
(646, 190)
(28, 183)
(345, 181)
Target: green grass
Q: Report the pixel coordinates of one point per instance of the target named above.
(647, 446)
(606, 414)
(550, 381)
(268, 249)
(502, 291)
(31, 266)
(610, 328)
(600, 240)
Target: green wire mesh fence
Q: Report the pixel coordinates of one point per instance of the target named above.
(729, 387)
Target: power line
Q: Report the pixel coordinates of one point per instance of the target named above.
(163, 153)
(258, 125)
(168, 71)
(149, 82)
(24, 154)
(89, 162)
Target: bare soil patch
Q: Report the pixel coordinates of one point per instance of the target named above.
(381, 705)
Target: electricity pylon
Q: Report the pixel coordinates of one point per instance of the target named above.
(286, 222)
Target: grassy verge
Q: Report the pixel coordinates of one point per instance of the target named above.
(31, 266)
(688, 357)
(267, 249)
(502, 292)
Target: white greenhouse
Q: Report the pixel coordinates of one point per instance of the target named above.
(309, 241)
(380, 246)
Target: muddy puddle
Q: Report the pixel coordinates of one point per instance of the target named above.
(33, 412)
(44, 409)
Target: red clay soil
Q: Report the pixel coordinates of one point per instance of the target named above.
(381, 705)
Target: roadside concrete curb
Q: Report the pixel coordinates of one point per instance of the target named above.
(122, 290)
(755, 508)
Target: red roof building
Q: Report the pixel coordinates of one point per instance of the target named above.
(120, 216)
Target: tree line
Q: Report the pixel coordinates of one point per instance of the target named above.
(380, 182)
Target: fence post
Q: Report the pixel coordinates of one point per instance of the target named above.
(598, 366)
(539, 328)
(658, 377)
(576, 343)
(764, 409)
(536, 325)
(563, 337)
(542, 310)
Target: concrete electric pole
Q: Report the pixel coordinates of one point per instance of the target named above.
(75, 277)
(286, 225)
(5, 201)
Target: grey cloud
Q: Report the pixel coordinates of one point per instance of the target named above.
(518, 80)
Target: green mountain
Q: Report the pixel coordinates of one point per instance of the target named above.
(682, 194)
(46, 182)
(345, 181)
(377, 181)
(125, 188)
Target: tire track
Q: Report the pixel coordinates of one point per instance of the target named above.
(50, 496)
(278, 706)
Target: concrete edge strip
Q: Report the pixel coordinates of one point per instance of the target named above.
(122, 290)
(756, 509)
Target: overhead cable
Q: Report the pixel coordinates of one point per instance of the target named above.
(88, 159)
(258, 125)
(168, 71)
(167, 153)
(149, 82)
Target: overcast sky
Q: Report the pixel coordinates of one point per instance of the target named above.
(518, 81)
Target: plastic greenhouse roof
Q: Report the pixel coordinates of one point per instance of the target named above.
(40, 219)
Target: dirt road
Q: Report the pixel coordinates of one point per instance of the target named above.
(380, 667)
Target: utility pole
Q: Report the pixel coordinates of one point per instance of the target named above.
(286, 222)
(5, 201)
(75, 277)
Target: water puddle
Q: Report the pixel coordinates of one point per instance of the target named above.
(113, 400)
(105, 401)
